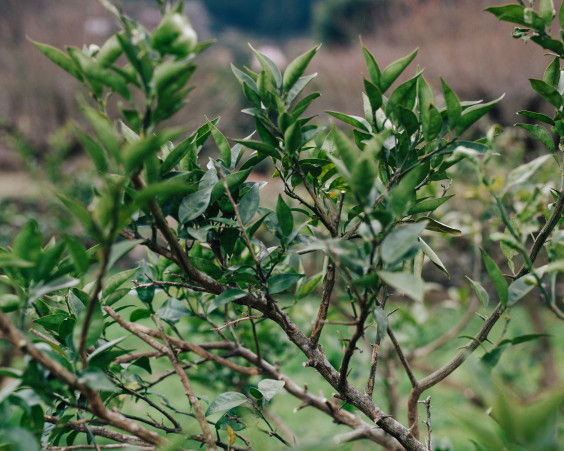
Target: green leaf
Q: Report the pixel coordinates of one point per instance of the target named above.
(406, 283)
(374, 95)
(561, 16)
(480, 291)
(394, 70)
(285, 218)
(403, 95)
(194, 205)
(381, 319)
(428, 204)
(303, 289)
(516, 14)
(226, 401)
(9, 302)
(260, 147)
(518, 289)
(433, 257)
(355, 121)
(303, 104)
(471, 115)
(269, 66)
(96, 379)
(431, 119)
(226, 297)
(173, 310)
(538, 116)
(523, 173)
(454, 109)
(121, 249)
(401, 243)
(115, 281)
(281, 282)
(104, 130)
(77, 253)
(547, 11)
(298, 88)
(234, 181)
(135, 153)
(51, 322)
(548, 92)
(59, 58)
(373, 70)
(436, 226)
(552, 73)
(27, 243)
(363, 177)
(293, 138)
(222, 144)
(100, 349)
(540, 133)
(94, 149)
(296, 68)
(95, 327)
(249, 204)
(497, 278)
(43, 288)
(270, 388)
(347, 151)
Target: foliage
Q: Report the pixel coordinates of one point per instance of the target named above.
(220, 255)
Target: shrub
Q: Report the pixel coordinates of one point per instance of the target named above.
(223, 293)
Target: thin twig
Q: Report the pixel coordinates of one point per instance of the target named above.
(402, 358)
(44, 337)
(236, 322)
(428, 406)
(241, 225)
(164, 283)
(188, 390)
(324, 306)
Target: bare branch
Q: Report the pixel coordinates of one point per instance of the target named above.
(428, 406)
(324, 306)
(237, 321)
(402, 358)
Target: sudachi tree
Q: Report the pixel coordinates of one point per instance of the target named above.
(219, 297)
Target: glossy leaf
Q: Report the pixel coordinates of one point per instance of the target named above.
(249, 204)
(480, 291)
(173, 310)
(194, 205)
(471, 115)
(433, 257)
(285, 218)
(225, 298)
(454, 109)
(281, 282)
(548, 92)
(394, 70)
(297, 68)
(270, 388)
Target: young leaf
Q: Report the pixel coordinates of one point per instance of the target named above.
(552, 73)
(497, 278)
(296, 68)
(480, 291)
(346, 149)
(406, 283)
(374, 94)
(524, 172)
(269, 66)
(472, 114)
(59, 58)
(373, 70)
(519, 289)
(403, 95)
(433, 257)
(394, 70)
(454, 109)
(222, 144)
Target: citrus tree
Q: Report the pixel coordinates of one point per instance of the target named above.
(219, 299)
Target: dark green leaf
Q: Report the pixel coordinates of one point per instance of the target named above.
(260, 147)
(540, 133)
(538, 116)
(281, 282)
(347, 151)
(225, 298)
(355, 121)
(374, 94)
(285, 218)
(454, 109)
(249, 204)
(552, 73)
(173, 310)
(194, 205)
(548, 92)
(403, 95)
(234, 181)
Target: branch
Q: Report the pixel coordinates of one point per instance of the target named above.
(324, 306)
(96, 430)
(188, 390)
(428, 406)
(92, 302)
(237, 321)
(14, 336)
(97, 447)
(402, 358)
(146, 333)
